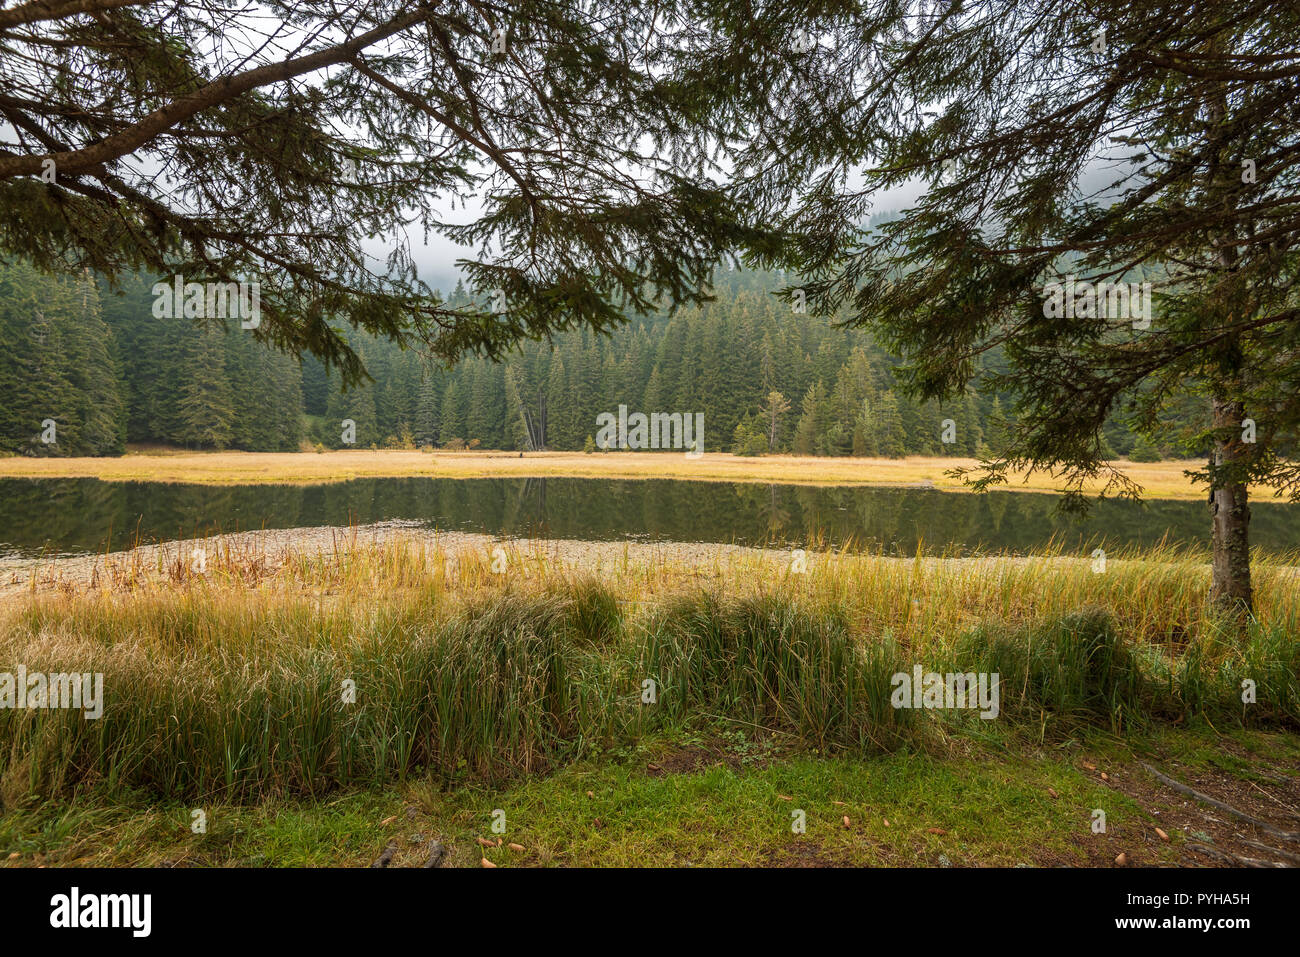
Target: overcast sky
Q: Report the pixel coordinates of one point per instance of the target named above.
(437, 259)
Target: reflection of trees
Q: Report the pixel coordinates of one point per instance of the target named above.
(79, 514)
(186, 511)
(526, 513)
(996, 506)
(766, 502)
(777, 517)
(65, 514)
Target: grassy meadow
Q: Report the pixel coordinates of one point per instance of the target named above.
(526, 691)
(1164, 479)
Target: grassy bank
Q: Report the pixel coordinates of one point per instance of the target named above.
(1159, 479)
(719, 799)
(229, 686)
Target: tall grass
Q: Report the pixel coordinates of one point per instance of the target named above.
(776, 663)
(236, 684)
(1075, 666)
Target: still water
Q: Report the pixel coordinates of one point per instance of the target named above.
(77, 516)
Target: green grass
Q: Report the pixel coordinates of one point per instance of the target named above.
(1005, 803)
(231, 690)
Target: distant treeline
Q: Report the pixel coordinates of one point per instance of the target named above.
(107, 372)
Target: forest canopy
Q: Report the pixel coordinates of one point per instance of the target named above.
(109, 371)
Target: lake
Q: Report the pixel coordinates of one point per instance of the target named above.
(80, 516)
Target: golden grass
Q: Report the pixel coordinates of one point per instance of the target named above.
(462, 668)
(1157, 595)
(1165, 480)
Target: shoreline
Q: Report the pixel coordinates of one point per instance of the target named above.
(1159, 480)
(275, 546)
(271, 549)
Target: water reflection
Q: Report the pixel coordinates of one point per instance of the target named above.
(75, 516)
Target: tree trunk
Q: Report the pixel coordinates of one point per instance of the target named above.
(1230, 561)
(1230, 549)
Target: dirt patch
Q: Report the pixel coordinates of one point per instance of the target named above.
(1092, 850)
(1200, 834)
(802, 853)
(692, 758)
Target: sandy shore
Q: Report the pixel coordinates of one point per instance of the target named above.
(257, 554)
(272, 546)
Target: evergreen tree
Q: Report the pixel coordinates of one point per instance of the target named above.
(812, 421)
(205, 411)
(95, 375)
(1193, 108)
(772, 419)
(891, 437)
(560, 414)
(425, 429)
(452, 418)
(1144, 450)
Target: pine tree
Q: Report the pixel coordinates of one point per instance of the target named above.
(772, 417)
(970, 435)
(812, 422)
(452, 418)
(1144, 450)
(891, 436)
(204, 409)
(427, 409)
(866, 432)
(999, 430)
(1182, 105)
(560, 414)
(94, 375)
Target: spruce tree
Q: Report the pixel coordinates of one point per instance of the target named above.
(279, 153)
(205, 411)
(427, 408)
(1061, 147)
(94, 374)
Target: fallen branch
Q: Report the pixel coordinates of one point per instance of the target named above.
(1230, 858)
(436, 853)
(1212, 852)
(1273, 850)
(1264, 826)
